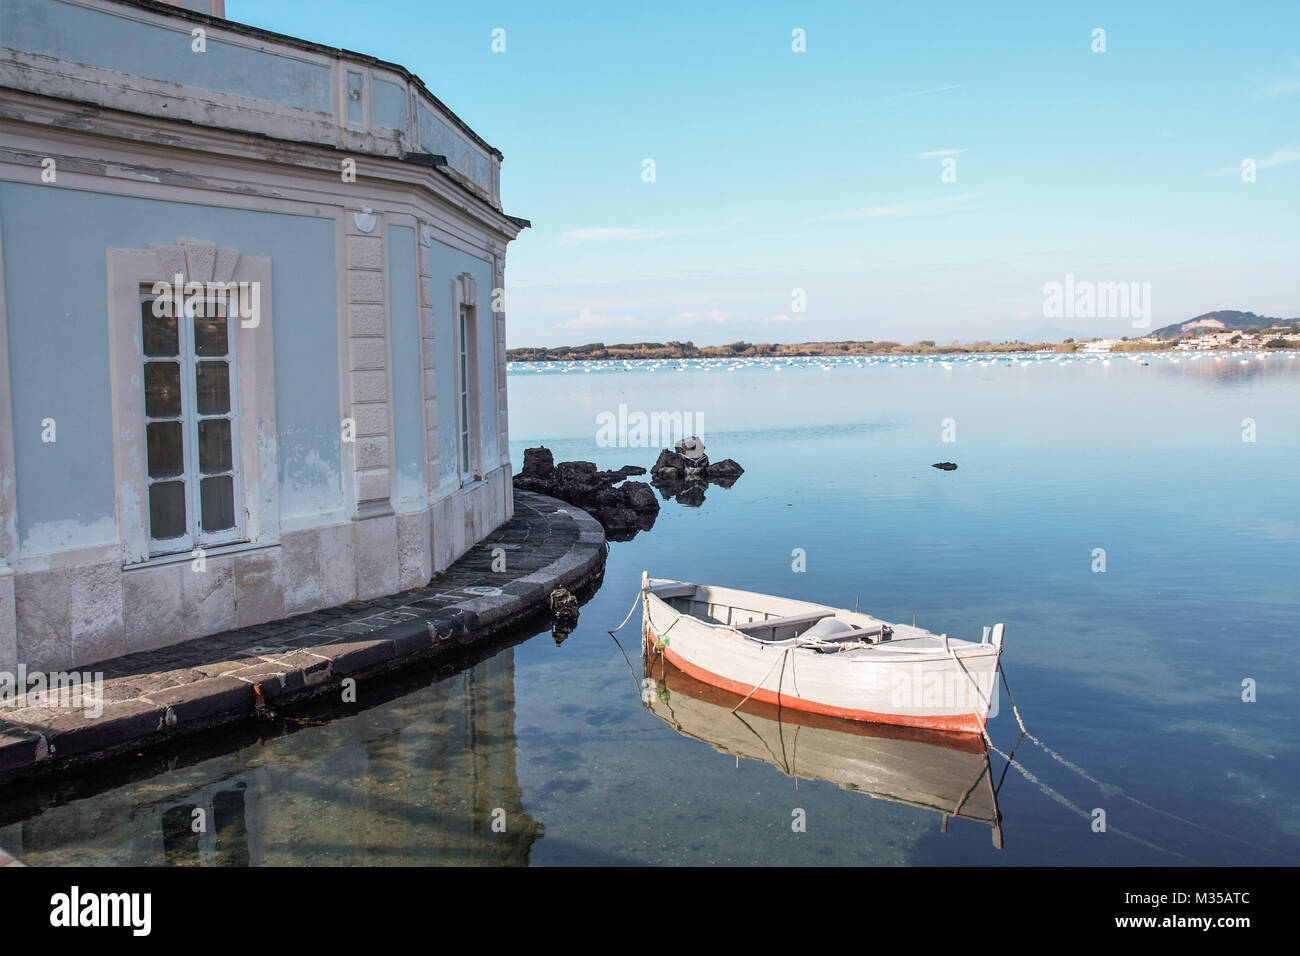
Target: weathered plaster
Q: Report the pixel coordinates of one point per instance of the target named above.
(358, 323)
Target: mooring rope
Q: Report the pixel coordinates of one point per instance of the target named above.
(779, 660)
(1079, 811)
(659, 638)
(1044, 788)
(987, 703)
(1002, 779)
(1109, 789)
(1105, 788)
(613, 634)
(639, 596)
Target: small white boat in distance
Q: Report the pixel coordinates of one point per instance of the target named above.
(822, 659)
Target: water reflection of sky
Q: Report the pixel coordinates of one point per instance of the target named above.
(1135, 673)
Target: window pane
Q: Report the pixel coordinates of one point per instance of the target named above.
(167, 509)
(218, 499)
(213, 381)
(159, 332)
(166, 453)
(210, 332)
(162, 389)
(214, 445)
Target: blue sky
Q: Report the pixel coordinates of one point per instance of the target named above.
(821, 170)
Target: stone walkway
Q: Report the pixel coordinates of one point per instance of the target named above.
(155, 696)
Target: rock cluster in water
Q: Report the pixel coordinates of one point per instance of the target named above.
(945, 465)
(621, 506)
(685, 473)
(622, 511)
(564, 613)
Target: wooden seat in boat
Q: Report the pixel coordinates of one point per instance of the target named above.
(834, 631)
(668, 592)
(774, 622)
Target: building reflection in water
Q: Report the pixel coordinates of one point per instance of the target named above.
(424, 778)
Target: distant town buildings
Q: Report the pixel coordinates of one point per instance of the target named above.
(1100, 345)
(1209, 341)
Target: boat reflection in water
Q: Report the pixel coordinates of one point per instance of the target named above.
(947, 773)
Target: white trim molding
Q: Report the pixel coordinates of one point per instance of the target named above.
(467, 393)
(195, 262)
(8, 497)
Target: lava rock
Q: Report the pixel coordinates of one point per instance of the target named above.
(538, 463)
(617, 522)
(564, 606)
(609, 498)
(540, 485)
(579, 472)
(622, 507)
(640, 497)
(670, 465)
(945, 465)
(727, 468)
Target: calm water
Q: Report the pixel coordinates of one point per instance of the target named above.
(1135, 674)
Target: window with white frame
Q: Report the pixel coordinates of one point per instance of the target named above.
(191, 424)
(467, 397)
(195, 451)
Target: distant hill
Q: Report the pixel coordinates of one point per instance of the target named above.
(1225, 320)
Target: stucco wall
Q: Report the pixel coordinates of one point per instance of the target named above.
(447, 264)
(144, 61)
(55, 284)
(409, 490)
(389, 105)
(157, 143)
(69, 32)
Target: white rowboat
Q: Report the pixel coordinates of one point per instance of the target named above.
(821, 659)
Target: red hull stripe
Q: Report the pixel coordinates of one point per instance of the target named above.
(958, 723)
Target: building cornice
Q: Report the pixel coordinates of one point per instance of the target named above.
(63, 119)
(180, 13)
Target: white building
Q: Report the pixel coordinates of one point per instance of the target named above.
(1100, 345)
(335, 429)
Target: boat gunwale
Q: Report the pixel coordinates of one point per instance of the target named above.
(961, 647)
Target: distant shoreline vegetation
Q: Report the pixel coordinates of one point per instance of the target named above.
(688, 350)
(1254, 338)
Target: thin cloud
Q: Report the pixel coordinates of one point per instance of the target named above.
(1281, 88)
(712, 315)
(586, 319)
(1279, 157)
(937, 89)
(920, 207)
(940, 152)
(627, 234)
